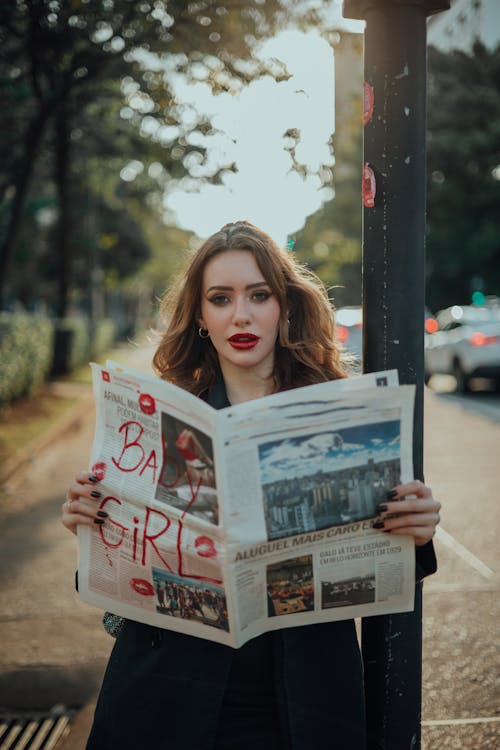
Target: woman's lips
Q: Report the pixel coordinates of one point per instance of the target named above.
(243, 340)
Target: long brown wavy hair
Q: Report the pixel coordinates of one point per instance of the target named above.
(306, 350)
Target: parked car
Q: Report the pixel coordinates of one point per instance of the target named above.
(349, 327)
(466, 344)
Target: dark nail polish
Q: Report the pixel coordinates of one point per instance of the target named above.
(93, 478)
(102, 514)
(381, 508)
(94, 493)
(99, 520)
(391, 493)
(378, 525)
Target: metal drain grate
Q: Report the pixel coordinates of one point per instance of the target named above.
(34, 731)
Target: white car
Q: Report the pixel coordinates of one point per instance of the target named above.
(466, 344)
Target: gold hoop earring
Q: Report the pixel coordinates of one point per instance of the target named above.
(203, 333)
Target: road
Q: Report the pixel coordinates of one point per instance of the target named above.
(461, 609)
(54, 648)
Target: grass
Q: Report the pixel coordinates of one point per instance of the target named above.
(27, 419)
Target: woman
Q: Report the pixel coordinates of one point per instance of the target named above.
(245, 321)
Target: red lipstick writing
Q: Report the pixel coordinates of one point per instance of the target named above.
(141, 586)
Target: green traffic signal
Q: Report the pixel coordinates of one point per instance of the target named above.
(478, 298)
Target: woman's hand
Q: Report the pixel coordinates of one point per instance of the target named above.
(80, 504)
(409, 509)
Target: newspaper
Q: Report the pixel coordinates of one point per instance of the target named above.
(224, 524)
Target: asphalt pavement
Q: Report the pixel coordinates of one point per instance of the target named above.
(54, 648)
(461, 697)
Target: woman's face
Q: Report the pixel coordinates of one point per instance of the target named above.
(240, 312)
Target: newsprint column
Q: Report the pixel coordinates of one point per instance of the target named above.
(394, 196)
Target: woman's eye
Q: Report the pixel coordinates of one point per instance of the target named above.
(219, 299)
(261, 296)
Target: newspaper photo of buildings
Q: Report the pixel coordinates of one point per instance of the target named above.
(187, 479)
(328, 478)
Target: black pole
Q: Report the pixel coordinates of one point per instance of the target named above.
(393, 308)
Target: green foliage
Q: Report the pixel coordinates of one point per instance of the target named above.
(463, 218)
(99, 74)
(170, 246)
(32, 347)
(25, 354)
(71, 345)
(103, 337)
(463, 240)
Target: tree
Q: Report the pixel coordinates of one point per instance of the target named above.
(463, 239)
(60, 72)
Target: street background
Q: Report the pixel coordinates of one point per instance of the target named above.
(54, 648)
(131, 130)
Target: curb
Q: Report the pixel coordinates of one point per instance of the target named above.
(61, 427)
(42, 686)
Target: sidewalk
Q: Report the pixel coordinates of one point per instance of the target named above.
(54, 648)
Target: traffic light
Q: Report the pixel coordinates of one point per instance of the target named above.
(478, 298)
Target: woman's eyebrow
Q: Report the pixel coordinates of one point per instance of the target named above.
(222, 288)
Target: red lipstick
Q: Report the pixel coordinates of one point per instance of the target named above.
(243, 340)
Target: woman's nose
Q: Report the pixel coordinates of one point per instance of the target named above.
(241, 314)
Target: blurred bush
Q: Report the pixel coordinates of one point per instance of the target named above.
(104, 336)
(34, 347)
(26, 346)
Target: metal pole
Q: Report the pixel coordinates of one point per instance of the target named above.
(393, 309)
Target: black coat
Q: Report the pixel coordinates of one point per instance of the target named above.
(163, 689)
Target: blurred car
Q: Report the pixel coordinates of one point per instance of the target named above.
(349, 328)
(430, 323)
(466, 344)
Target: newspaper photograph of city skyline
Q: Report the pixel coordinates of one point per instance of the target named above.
(328, 478)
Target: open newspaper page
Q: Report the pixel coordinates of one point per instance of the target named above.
(226, 524)
(159, 557)
(300, 542)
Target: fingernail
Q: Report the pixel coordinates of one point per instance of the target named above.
(378, 525)
(99, 520)
(102, 513)
(93, 478)
(391, 493)
(94, 493)
(381, 508)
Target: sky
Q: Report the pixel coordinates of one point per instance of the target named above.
(265, 190)
(329, 451)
